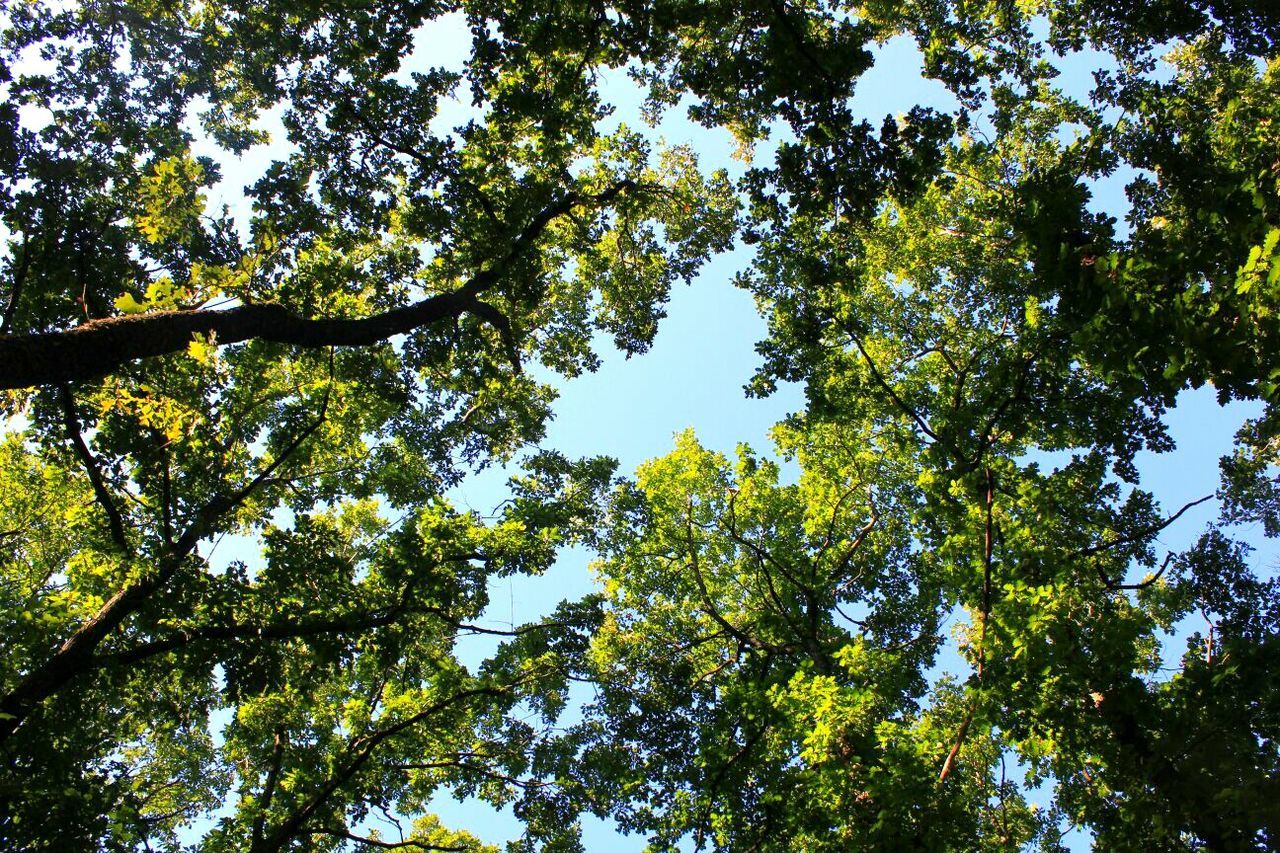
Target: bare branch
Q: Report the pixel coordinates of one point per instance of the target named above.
(385, 845)
(1142, 534)
(955, 749)
(1119, 587)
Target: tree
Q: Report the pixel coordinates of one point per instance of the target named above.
(317, 378)
(949, 329)
(386, 318)
(760, 662)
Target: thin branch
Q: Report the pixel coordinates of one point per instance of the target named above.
(365, 746)
(71, 420)
(1120, 587)
(724, 769)
(854, 546)
(385, 845)
(762, 555)
(708, 605)
(829, 538)
(888, 389)
(429, 164)
(1144, 533)
(481, 769)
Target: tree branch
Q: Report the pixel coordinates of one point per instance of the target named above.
(71, 420)
(18, 278)
(385, 845)
(1141, 534)
(293, 826)
(1115, 586)
(987, 552)
(101, 346)
(75, 655)
(955, 748)
(269, 786)
(888, 389)
(708, 605)
(296, 630)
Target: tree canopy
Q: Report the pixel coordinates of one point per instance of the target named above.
(985, 348)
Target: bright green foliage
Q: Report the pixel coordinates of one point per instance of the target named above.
(984, 348)
(760, 661)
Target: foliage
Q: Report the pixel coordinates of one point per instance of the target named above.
(985, 346)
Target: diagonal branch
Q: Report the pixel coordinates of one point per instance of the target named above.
(1116, 586)
(75, 656)
(101, 346)
(363, 748)
(71, 420)
(744, 639)
(1140, 535)
(955, 748)
(888, 389)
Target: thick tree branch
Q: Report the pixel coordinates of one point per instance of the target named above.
(269, 787)
(102, 346)
(237, 632)
(295, 630)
